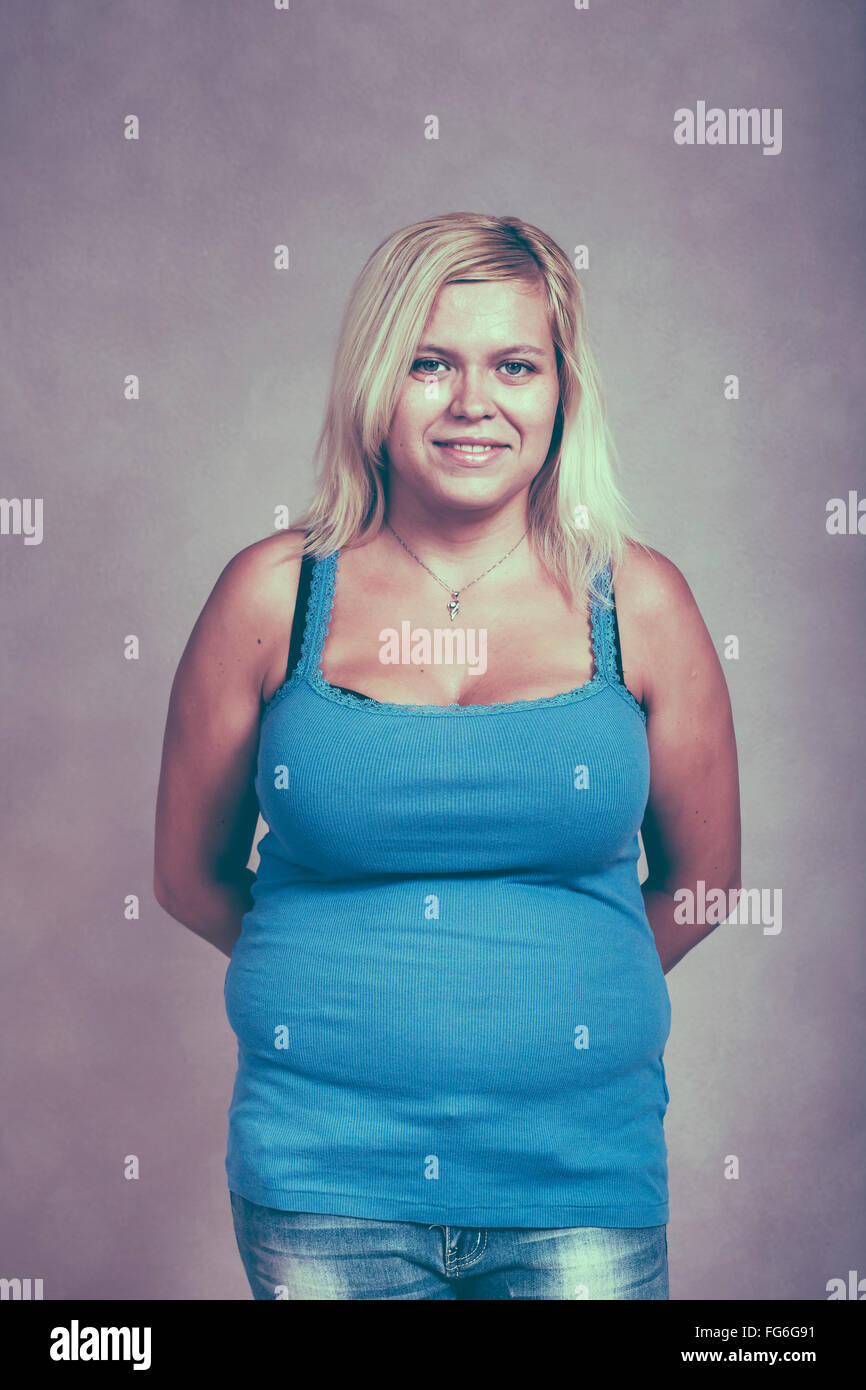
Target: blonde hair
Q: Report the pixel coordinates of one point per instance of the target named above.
(578, 518)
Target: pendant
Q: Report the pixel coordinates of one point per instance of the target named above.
(454, 606)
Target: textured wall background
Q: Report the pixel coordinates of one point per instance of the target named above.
(155, 257)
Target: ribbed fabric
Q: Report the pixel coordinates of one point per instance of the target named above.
(447, 998)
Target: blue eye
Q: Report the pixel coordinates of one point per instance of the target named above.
(427, 364)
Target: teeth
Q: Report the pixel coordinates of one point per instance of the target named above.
(474, 448)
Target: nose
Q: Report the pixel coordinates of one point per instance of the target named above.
(472, 394)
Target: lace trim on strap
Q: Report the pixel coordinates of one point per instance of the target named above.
(607, 647)
(313, 638)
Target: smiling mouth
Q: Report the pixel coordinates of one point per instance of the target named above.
(473, 453)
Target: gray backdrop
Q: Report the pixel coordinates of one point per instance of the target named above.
(155, 257)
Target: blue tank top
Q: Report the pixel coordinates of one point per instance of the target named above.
(447, 999)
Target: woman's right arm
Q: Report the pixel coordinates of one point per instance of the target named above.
(206, 811)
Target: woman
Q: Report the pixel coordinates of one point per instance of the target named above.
(446, 981)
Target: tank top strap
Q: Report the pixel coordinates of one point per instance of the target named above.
(317, 579)
(605, 632)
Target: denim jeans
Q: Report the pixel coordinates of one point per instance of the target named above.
(306, 1255)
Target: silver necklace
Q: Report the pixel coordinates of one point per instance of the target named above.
(454, 602)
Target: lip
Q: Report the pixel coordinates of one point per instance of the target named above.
(472, 439)
(470, 460)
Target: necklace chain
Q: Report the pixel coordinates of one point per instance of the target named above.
(454, 603)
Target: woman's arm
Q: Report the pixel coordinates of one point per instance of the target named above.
(206, 809)
(691, 827)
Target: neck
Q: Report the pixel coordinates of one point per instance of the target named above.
(459, 538)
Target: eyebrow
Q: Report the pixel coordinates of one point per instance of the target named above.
(523, 349)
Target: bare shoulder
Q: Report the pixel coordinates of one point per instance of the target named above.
(659, 621)
(247, 619)
(650, 586)
(264, 572)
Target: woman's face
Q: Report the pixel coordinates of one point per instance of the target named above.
(485, 372)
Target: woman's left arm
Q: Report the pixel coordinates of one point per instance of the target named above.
(691, 827)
